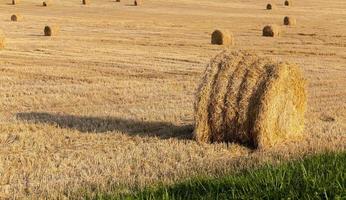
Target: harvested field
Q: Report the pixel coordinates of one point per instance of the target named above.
(109, 102)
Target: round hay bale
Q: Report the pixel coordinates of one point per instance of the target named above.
(271, 31)
(219, 37)
(14, 2)
(117, 0)
(84, 2)
(136, 3)
(290, 21)
(51, 30)
(2, 40)
(249, 100)
(288, 3)
(269, 6)
(46, 3)
(16, 17)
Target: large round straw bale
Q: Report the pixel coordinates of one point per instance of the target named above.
(51, 30)
(249, 100)
(271, 31)
(46, 3)
(222, 37)
(290, 21)
(16, 17)
(2, 40)
(288, 3)
(269, 6)
(14, 2)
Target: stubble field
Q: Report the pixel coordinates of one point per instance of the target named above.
(107, 105)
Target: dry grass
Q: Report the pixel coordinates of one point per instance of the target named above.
(2, 40)
(249, 100)
(111, 104)
(271, 31)
(222, 37)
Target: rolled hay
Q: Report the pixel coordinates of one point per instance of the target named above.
(51, 30)
(271, 31)
(16, 17)
(84, 2)
(46, 3)
(136, 3)
(249, 100)
(117, 0)
(224, 37)
(287, 3)
(14, 2)
(269, 6)
(290, 21)
(2, 40)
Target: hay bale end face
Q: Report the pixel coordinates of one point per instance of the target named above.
(249, 100)
(2, 40)
(219, 37)
(290, 21)
(51, 30)
(271, 31)
(16, 17)
(288, 3)
(269, 6)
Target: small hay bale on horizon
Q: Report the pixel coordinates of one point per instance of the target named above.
(269, 6)
(288, 3)
(271, 31)
(290, 21)
(46, 3)
(14, 2)
(222, 37)
(16, 17)
(249, 100)
(51, 30)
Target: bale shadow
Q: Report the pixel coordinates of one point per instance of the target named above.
(162, 130)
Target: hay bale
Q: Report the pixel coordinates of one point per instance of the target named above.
(271, 31)
(84, 2)
(290, 21)
(14, 2)
(249, 100)
(117, 0)
(51, 30)
(2, 40)
(136, 3)
(16, 17)
(269, 6)
(224, 37)
(46, 3)
(288, 3)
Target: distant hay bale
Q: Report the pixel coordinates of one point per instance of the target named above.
(117, 1)
(136, 3)
(271, 31)
(14, 2)
(2, 40)
(290, 21)
(288, 3)
(269, 6)
(51, 30)
(46, 3)
(249, 100)
(84, 2)
(222, 37)
(16, 17)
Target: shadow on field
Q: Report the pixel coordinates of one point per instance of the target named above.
(163, 130)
